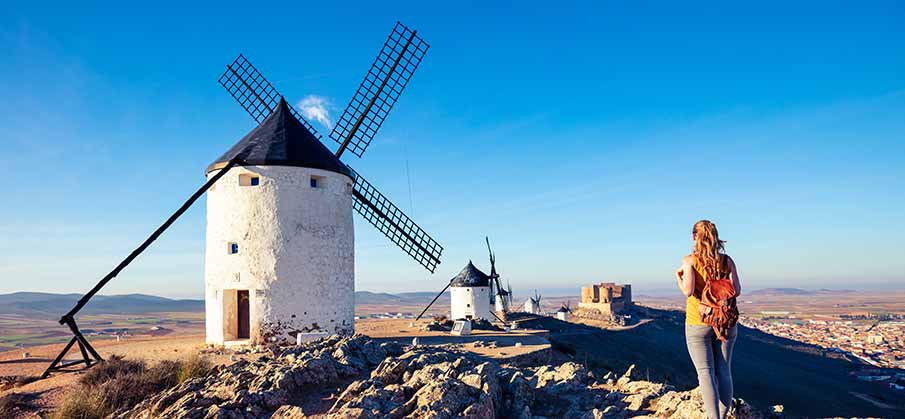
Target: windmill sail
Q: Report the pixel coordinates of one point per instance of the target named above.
(252, 90)
(394, 224)
(256, 95)
(382, 85)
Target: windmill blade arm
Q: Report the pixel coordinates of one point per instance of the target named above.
(433, 301)
(378, 92)
(394, 224)
(145, 244)
(254, 92)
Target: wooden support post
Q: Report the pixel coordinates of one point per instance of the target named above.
(89, 355)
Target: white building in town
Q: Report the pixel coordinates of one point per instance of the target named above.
(279, 257)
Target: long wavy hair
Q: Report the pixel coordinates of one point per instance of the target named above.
(709, 250)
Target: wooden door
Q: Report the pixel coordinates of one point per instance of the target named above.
(242, 304)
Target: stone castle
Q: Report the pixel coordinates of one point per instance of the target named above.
(607, 297)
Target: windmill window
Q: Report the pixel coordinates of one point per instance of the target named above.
(233, 248)
(317, 182)
(249, 180)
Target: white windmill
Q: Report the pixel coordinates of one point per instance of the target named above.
(532, 304)
(280, 239)
(470, 295)
(280, 251)
(476, 295)
(500, 298)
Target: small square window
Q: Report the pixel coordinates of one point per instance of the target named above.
(317, 182)
(233, 248)
(249, 180)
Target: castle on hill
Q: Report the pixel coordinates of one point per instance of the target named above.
(607, 297)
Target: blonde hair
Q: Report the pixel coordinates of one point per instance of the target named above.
(709, 250)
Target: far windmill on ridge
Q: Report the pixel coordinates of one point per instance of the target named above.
(280, 243)
(475, 295)
(533, 304)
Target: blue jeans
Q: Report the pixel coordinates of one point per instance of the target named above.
(712, 359)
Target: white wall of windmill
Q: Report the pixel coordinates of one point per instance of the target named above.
(288, 245)
(470, 302)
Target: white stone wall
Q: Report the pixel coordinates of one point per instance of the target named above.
(295, 252)
(470, 301)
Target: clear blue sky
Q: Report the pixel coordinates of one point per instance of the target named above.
(585, 140)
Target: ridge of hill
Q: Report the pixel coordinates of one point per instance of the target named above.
(798, 291)
(44, 305)
(51, 305)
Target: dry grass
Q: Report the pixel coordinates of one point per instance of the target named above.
(114, 367)
(118, 384)
(86, 403)
(192, 367)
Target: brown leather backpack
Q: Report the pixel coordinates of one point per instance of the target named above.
(718, 306)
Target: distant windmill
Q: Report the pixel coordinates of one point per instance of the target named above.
(564, 311)
(280, 252)
(499, 296)
(472, 293)
(533, 304)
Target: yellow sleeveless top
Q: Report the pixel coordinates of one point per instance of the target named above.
(692, 314)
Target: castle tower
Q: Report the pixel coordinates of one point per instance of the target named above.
(470, 294)
(279, 257)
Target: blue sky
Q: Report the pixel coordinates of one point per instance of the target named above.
(585, 140)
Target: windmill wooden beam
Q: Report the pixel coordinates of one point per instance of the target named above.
(89, 354)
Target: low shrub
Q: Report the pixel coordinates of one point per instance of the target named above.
(118, 384)
(86, 403)
(192, 367)
(111, 368)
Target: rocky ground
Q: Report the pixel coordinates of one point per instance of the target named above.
(358, 377)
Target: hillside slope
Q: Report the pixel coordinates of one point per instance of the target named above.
(806, 379)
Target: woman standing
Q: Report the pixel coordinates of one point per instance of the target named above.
(711, 356)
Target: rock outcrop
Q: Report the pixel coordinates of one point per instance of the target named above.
(358, 377)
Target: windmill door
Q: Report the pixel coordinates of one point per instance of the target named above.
(242, 304)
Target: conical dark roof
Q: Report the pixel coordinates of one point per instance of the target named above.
(281, 140)
(471, 277)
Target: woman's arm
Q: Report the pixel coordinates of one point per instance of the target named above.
(734, 275)
(685, 276)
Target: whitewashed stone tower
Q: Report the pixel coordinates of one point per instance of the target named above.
(470, 294)
(279, 257)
